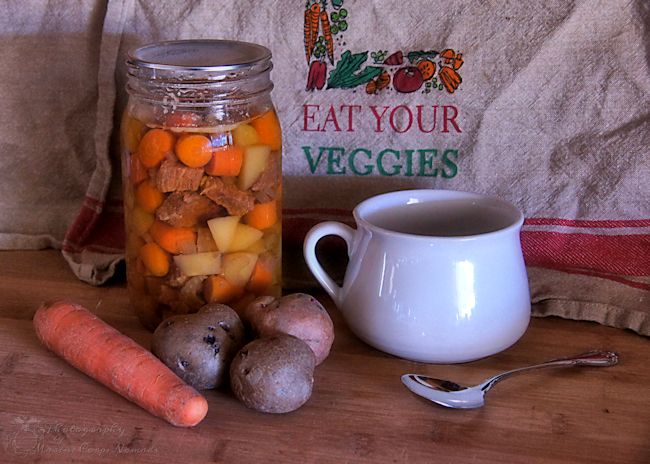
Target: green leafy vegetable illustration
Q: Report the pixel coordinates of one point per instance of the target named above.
(419, 55)
(348, 72)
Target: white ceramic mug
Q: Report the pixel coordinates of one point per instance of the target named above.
(433, 276)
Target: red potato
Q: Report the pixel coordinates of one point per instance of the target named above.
(298, 314)
(274, 374)
(199, 347)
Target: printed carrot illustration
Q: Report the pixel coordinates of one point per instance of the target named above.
(315, 13)
(383, 80)
(450, 78)
(378, 84)
(312, 15)
(308, 49)
(327, 34)
(101, 352)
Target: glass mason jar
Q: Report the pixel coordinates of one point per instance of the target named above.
(201, 165)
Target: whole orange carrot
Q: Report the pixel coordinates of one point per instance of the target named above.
(106, 355)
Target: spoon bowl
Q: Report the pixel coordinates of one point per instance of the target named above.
(453, 395)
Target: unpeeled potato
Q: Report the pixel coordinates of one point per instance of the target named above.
(297, 314)
(273, 374)
(199, 347)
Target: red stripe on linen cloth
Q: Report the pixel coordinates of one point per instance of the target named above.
(618, 254)
(98, 227)
(320, 212)
(581, 223)
(603, 275)
(612, 256)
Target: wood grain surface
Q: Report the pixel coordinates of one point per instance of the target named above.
(359, 411)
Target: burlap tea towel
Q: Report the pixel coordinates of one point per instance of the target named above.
(542, 104)
(48, 89)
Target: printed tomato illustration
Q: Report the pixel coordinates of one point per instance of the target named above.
(407, 79)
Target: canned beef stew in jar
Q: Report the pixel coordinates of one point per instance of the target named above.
(201, 163)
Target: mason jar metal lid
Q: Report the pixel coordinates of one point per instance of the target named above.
(199, 55)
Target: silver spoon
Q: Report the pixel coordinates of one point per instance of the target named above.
(453, 395)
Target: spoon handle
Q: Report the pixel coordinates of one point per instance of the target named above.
(592, 358)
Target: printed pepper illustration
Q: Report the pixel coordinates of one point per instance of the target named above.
(395, 59)
(316, 76)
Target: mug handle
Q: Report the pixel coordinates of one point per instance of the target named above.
(309, 250)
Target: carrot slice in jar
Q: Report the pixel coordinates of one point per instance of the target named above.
(175, 240)
(262, 216)
(148, 197)
(194, 150)
(268, 130)
(138, 171)
(154, 146)
(140, 220)
(155, 259)
(262, 277)
(217, 289)
(226, 161)
(182, 119)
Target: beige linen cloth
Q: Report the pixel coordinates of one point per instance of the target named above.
(545, 104)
